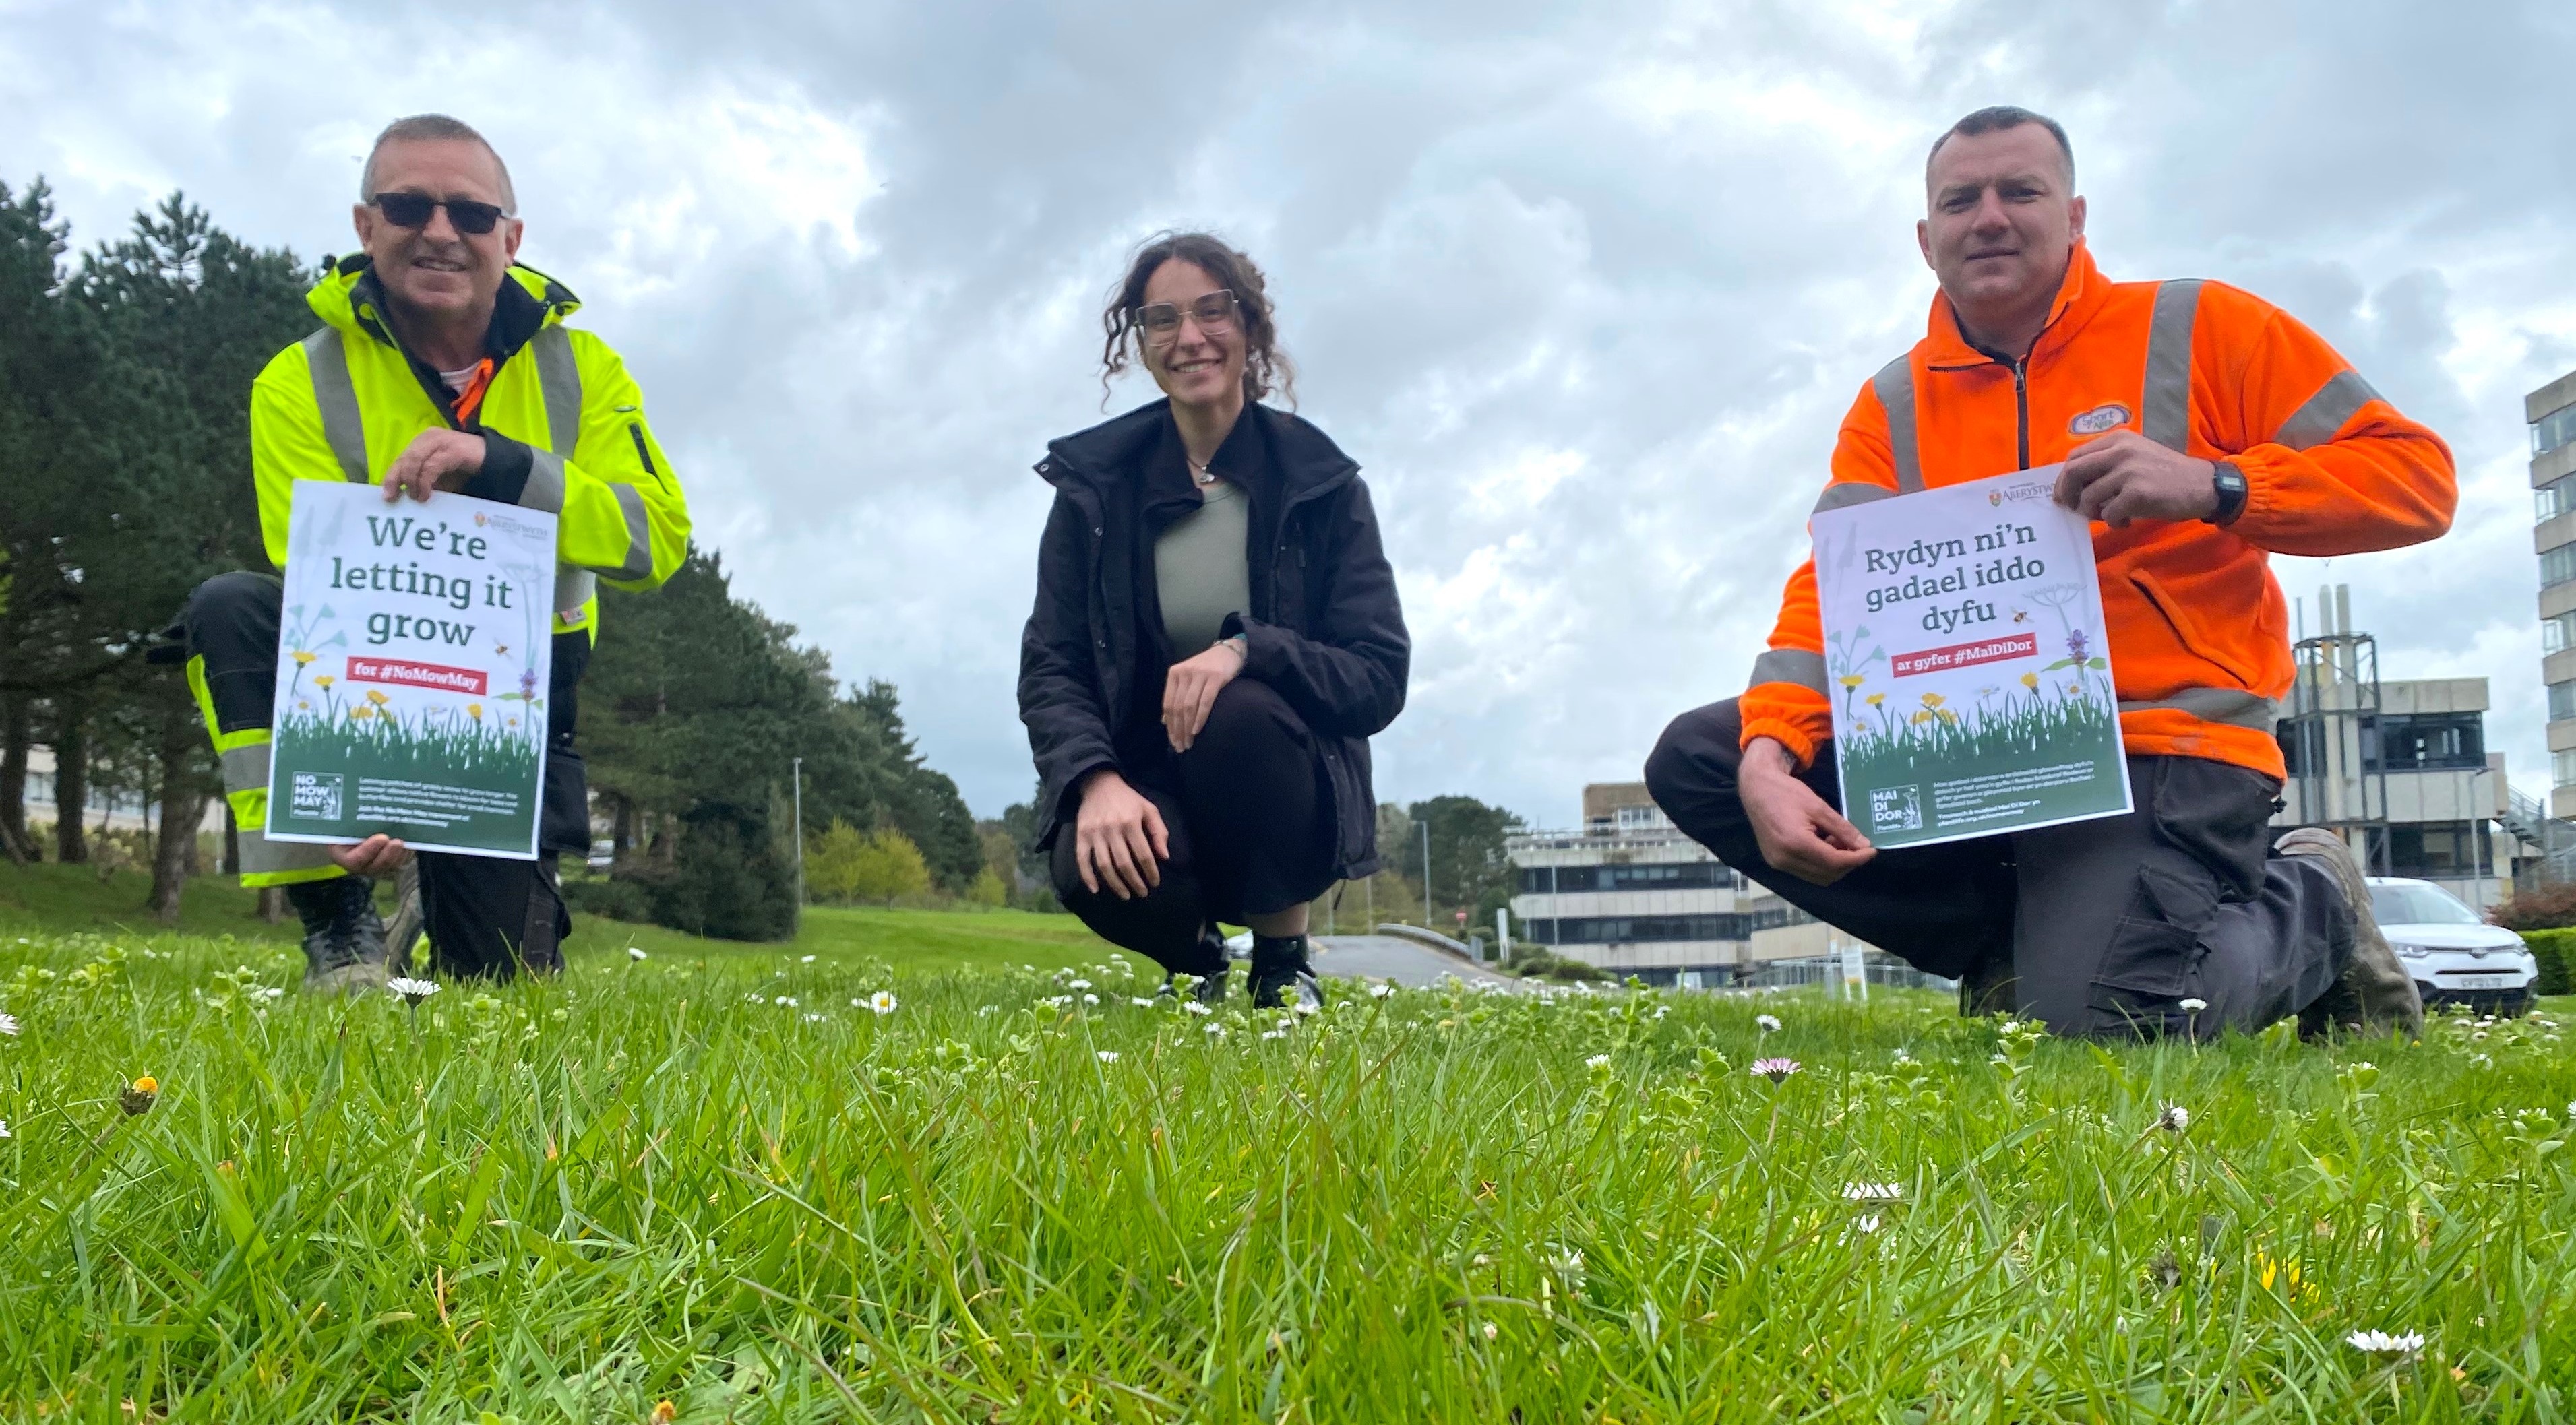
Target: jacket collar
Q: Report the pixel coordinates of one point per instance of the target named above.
(2080, 294)
(1303, 459)
(350, 297)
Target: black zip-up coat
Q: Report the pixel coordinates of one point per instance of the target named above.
(1324, 629)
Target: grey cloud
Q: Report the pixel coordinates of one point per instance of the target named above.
(1586, 289)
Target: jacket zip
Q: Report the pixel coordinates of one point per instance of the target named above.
(2021, 405)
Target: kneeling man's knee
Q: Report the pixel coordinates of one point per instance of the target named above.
(1696, 752)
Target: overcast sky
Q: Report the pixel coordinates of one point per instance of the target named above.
(1585, 288)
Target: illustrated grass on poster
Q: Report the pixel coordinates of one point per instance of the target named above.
(2044, 737)
(372, 739)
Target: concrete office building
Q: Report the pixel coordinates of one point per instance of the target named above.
(1633, 895)
(2552, 413)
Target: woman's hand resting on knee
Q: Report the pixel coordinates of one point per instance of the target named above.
(1118, 838)
(1190, 689)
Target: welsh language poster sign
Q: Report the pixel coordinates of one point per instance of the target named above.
(411, 671)
(1965, 657)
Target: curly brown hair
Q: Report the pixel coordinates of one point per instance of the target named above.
(1265, 367)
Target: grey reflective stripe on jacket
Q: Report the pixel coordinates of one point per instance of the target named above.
(246, 770)
(2164, 407)
(2234, 706)
(342, 427)
(1790, 665)
(1894, 384)
(2321, 415)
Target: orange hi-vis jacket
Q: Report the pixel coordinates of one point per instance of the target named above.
(2199, 633)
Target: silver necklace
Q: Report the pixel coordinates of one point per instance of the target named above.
(1199, 472)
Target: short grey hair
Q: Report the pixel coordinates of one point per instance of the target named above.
(1994, 119)
(419, 127)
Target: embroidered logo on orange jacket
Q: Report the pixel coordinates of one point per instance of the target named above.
(2108, 415)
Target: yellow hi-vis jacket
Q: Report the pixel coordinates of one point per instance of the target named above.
(347, 401)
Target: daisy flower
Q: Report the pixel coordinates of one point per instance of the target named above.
(1776, 1070)
(1108, 1056)
(2380, 1343)
(1766, 1023)
(882, 1002)
(410, 991)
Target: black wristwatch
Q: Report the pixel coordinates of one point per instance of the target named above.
(2231, 494)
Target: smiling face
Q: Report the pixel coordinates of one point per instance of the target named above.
(1196, 367)
(2002, 224)
(435, 274)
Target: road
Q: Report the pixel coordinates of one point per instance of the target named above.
(1384, 957)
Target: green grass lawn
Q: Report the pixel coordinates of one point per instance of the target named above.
(710, 1178)
(73, 897)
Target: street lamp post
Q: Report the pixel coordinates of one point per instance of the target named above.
(800, 836)
(1426, 873)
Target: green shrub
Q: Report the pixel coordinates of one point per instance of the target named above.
(615, 899)
(2553, 949)
(731, 881)
(2541, 908)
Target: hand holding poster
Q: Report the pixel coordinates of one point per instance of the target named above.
(1967, 663)
(412, 670)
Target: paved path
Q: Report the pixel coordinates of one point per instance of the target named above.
(1384, 957)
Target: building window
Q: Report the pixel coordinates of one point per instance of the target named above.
(2433, 851)
(1644, 818)
(2553, 430)
(2557, 566)
(2562, 701)
(1642, 929)
(2431, 742)
(2558, 634)
(2556, 498)
(2562, 769)
(1684, 876)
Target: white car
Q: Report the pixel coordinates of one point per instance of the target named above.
(2454, 955)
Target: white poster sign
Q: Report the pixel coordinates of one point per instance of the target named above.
(1967, 662)
(411, 671)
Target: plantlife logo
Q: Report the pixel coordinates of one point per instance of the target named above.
(315, 795)
(1895, 809)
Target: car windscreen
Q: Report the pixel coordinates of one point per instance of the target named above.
(2420, 905)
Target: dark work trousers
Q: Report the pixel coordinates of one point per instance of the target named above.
(485, 915)
(1248, 818)
(2107, 925)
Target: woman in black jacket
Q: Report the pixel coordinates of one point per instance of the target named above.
(1215, 637)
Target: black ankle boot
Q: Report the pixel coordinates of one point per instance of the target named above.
(344, 940)
(1281, 975)
(1212, 967)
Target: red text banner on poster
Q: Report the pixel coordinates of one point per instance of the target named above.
(1965, 655)
(416, 675)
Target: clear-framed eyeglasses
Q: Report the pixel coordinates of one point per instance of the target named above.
(1161, 321)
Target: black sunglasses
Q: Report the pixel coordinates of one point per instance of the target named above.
(412, 210)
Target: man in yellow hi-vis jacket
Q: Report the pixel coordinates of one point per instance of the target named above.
(440, 365)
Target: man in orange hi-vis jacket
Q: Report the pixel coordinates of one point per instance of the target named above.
(2202, 430)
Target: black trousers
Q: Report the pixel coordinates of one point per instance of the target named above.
(1246, 808)
(484, 915)
(2107, 925)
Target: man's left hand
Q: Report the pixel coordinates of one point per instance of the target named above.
(2124, 476)
(437, 460)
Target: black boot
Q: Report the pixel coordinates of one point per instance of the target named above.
(1212, 968)
(344, 940)
(1280, 975)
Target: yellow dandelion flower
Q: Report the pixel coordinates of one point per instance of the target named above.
(474, 711)
(362, 713)
(1875, 699)
(138, 1099)
(1851, 680)
(147, 1084)
(301, 657)
(1949, 717)
(2030, 681)
(377, 696)
(1932, 700)
(323, 680)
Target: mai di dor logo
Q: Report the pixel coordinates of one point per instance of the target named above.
(2099, 419)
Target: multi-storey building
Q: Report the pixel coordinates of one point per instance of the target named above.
(1633, 895)
(2552, 413)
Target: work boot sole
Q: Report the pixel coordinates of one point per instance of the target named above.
(2374, 995)
(1287, 991)
(357, 979)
